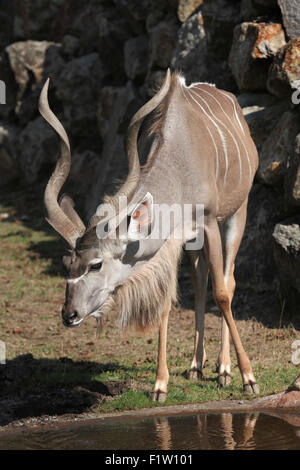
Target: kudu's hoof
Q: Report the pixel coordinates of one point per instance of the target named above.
(194, 374)
(159, 396)
(251, 387)
(224, 379)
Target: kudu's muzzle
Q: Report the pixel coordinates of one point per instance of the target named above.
(70, 316)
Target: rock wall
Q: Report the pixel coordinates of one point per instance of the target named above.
(105, 57)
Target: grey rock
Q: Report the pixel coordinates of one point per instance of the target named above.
(116, 107)
(85, 170)
(7, 110)
(28, 57)
(219, 20)
(136, 57)
(267, 4)
(286, 237)
(70, 45)
(190, 55)
(277, 148)
(253, 9)
(8, 164)
(263, 116)
(162, 44)
(7, 22)
(37, 19)
(249, 99)
(284, 73)
(53, 65)
(255, 267)
(112, 33)
(37, 147)
(79, 95)
(135, 12)
(291, 17)
(292, 173)
(253, 44)
(186, 8)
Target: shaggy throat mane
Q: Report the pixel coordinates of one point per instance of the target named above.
(142, 299)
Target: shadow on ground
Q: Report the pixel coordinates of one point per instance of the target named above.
(37, 387)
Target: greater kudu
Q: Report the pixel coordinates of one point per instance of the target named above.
(201, 152)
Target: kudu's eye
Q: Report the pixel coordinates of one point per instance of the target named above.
(96, 266)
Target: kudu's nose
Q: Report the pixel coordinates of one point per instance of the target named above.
(69, 316)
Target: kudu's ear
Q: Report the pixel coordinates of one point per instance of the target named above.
(140, 219)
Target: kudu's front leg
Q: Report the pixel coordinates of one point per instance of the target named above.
(223, 300)
(162, 374)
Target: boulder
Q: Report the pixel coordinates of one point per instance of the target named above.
(7, 23)
(27, 60)
(39, 19)
(292, 174)
(79, 95)
(190, 55)
(254, 9)
(291, 17)
(8, 165)
(162, 44)
(85, 170)
(186, 8)
(135, 12)
(70, 46)
(116, 106)
(284, 73)
(279, 145)
(112, 33)
(27, 108)
(37, 148)
(219, 20)
(286, 237)
(7, 110)
(136, 58)
(262, 112)
(254, 44)
(255, 269)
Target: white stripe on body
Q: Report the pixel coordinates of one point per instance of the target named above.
(207, 128)
(218, 130)
(228, 117)
(226, 128)
(234, 109)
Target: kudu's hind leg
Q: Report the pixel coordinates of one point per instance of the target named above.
(223, 299)
(162, 374)
(199, 277)
(231, 233)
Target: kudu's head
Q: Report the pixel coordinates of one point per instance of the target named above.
(97, 265)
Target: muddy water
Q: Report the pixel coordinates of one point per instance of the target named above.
(249, 430)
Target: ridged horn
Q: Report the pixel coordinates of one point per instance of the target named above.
(54, 213)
